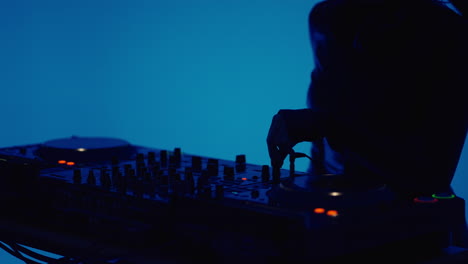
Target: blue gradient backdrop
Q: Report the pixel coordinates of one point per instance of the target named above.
(205, 75)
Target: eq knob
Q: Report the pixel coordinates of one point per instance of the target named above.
(172, 162)
(189, 181)
(91, 180)
(265, 173)
(121, 183)
(151, 158)
(177, 157)
(196, 163)
(163, 158)
(240, 163)
(115, 175)
(77, 176)
(105, 178)
(140, 159)
(212, 167)
(228, 173)
(203, 179)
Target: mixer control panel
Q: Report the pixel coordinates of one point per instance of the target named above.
(127, 194)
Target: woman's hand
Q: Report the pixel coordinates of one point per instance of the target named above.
(288, 128)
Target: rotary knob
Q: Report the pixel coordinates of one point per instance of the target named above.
(228, 173)
(196, 163)
(265, 173)
(163, 158)
(212, 167)
(240, 163)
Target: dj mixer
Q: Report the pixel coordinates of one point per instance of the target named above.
(128, 196)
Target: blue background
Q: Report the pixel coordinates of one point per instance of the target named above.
(205, 75)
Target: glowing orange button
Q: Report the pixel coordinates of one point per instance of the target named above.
(70, 163)
(244, 179)
(62, 162)
(319, 210)
(332, 213)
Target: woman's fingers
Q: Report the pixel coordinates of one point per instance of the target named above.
(278, 141)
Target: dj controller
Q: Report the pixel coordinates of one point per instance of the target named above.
(196, 207)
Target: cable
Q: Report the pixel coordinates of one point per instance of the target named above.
(292, 158)
(17, 251)
(31, 253)
(301, 155)
(17, 254)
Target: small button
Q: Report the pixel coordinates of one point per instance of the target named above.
(332, 213)
(319, 210)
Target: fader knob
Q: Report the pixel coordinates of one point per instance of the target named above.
(121, 183)
(77, 176)
(91, 180)
(115, 174)
(265, 173)
(163, 158)
(105, 179)
(228, 173)
(203, 179)
(140, 171)
(127, 169)
(114, 161)
(196, 163)
(151, 158)
(189, 181)
(240, 163)
(173, 175)
(155, 167)
(177, 157)
(140, 160)
(212, 167)
(172, 162)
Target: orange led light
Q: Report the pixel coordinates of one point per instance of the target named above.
(70, 163)
(319, 210)
(244, 179)
(62, 162)
(332, 213)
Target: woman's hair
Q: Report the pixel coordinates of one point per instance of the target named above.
(460, 5)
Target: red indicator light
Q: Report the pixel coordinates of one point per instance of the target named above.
(319, 210)
(70, 163)
(332, 213)
(425, 199)
(244, 179)
(62, 162)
